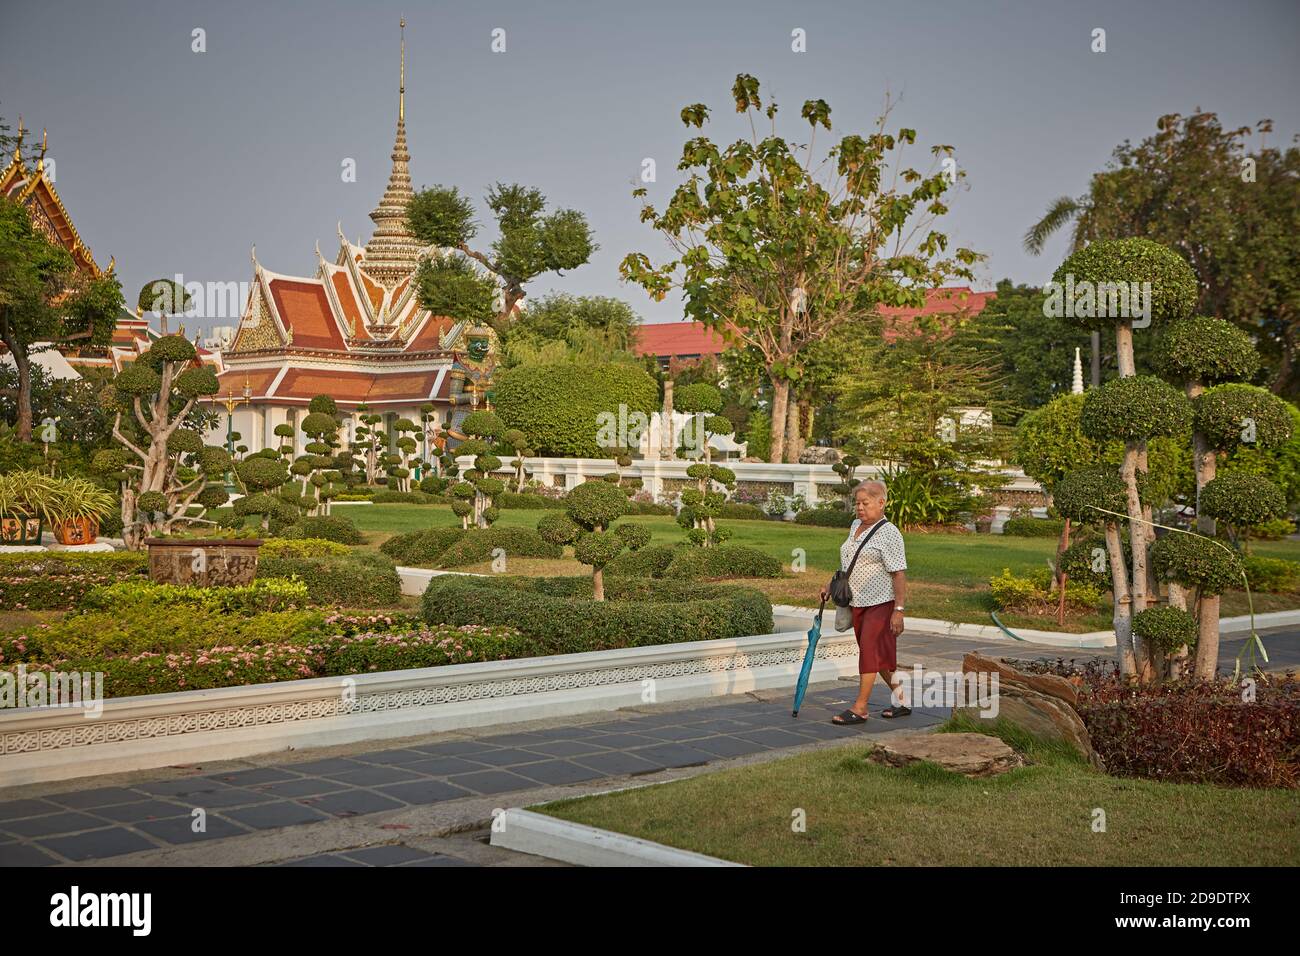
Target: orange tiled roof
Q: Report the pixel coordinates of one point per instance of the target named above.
(351, 311)
(305, 308)
(259, 380)
(349, 387)
(430, 334)
(669, 339)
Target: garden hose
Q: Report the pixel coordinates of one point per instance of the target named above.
(1010, 634)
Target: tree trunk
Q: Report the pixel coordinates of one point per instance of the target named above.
(780, 401)
(1205, 462)
(1178, 660)
(1123, 603)
(1061, 577)
(1138, 545)
(23, 363)
(792, 434)
(598, 584)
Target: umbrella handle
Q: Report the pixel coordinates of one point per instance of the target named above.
(820, 609)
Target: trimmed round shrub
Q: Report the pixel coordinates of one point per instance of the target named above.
(213, 496)
(330, 527)
(136, 379)
(595, 503)
(490, 486)
(699, 397)
(1080, 493)
(197, 381)
(598, 548)
(482, 425)
(421, 547)
(152, 501)
(477, 545)
(301, 548)
(434, 484)
(185, 441)
(1050, 442)
(214, 459)
(169, 348)
(635, 536)
(648, 562)
(1027, 527)
(558, 529)
(356, 580)
(259, 474)
(1173, 283)
(1231, 414)
(557, 406)
(1242, 500)
(1195, 561)
(1081, 561)
(561, 614)
(461, 508)
(727, 561)
(826, 517)
(1168, 628)
(734, 509)
(1135, 408)
(1205, 349)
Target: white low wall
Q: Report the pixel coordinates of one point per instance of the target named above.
(134, 733)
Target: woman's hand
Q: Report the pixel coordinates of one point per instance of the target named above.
(826, 593)
(896, 623)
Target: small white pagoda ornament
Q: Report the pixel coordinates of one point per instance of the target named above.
(1076, 386)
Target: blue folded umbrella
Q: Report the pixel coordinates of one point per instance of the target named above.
(814, 635)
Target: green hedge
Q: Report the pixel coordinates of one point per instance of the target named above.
(563, 618)
(478, 544)
(528, 502)
(421, 547)
(826, 517)
(358, 580)
(56, 581)
(330, 527)
(734, 509)
(725, 561)
(649, 508)
(1274, 575)
(649, 562)
(1033, 527)
(407, 498)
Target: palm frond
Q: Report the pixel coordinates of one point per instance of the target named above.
(1059, 212)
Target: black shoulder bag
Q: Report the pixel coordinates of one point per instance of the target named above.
(841, 592)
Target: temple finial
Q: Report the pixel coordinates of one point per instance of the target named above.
(40, 160)
(401, 83)
(18, 144)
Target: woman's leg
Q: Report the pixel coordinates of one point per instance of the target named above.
(865, 682)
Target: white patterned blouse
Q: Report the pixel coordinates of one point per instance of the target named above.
(870, 580)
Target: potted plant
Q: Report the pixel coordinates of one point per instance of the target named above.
(27, 501)
(79, 505)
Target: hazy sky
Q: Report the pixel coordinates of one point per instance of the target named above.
(178, 162)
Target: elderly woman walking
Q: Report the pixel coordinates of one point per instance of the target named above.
(878, 580)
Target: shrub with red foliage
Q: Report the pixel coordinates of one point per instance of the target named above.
(1188, 731)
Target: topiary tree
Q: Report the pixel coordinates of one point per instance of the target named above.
(845, 468)
(702, 504)
(1204, 355)
(260, 475)
(317, 466)
(369, 443)
(407, 447)
(1242, 501)
(517, 442)
(1123, 284)
(159, 393)
(592, 508)
(483, 428)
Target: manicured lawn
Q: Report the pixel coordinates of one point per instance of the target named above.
(861, 814)
(948, 573)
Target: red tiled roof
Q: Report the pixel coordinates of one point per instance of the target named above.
(259, 380)
(943, 301)
(305, 308)
(355, 387)
(351, 312)
(668, 339)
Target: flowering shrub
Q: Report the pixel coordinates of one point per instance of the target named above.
(56, 581)
(264, 594)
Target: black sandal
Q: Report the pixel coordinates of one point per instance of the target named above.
(847, 719)
(896, 711)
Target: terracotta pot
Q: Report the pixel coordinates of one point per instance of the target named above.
(20, 530)
(207, 562)
(77, 531)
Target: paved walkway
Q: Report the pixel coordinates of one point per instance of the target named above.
(427, 801)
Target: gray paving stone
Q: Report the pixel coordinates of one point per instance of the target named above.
(325, 859)
(453, 748)
(507, 757)
(53, 824)
(245, 778)
(143, 810)
(616, 763)
(438, 859)
(179, 830)
(517, 740)
(302, 787)
(373, 776)
(719, 726)
(772, 738)
(391, 757)
(822, 729)
(675, 733)
(623, 741)
(17, 809)
(268, 816)
(221, 799)
(570, 748)
(492, 781)
(727, 746)
(23, 854)
(351, 804)
(570, 733)
(444, 766)
(97, 844)
(616, 727)
(557, 772)
(182, 787)
(674, 755)
(330, 766)
(386, 855)
(424, 792)
(99, 797)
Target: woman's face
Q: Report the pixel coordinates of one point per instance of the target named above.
(870, 507)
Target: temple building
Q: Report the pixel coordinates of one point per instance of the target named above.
(354, 330)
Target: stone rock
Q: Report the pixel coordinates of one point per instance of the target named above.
(1048, 684)
(817, 455)
(972, 755)
(753, 460)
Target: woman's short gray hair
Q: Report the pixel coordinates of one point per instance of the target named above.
(877, 489)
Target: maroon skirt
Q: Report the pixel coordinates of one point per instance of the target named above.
(877, 644)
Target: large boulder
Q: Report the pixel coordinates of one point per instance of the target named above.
(1042, 704)
(972, 755)
(817, 455)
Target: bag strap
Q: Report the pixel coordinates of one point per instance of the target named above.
(870, 533)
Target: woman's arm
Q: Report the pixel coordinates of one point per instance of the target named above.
(900, 601)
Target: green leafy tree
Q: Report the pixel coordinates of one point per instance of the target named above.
(775, 249)
(43, 298)
(591, 510)
(531, 241)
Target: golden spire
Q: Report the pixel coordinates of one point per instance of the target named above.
(18, 145)
(401, 83)
(40, 161)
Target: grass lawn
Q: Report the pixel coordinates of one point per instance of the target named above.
(948, 574)
(862, 814)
